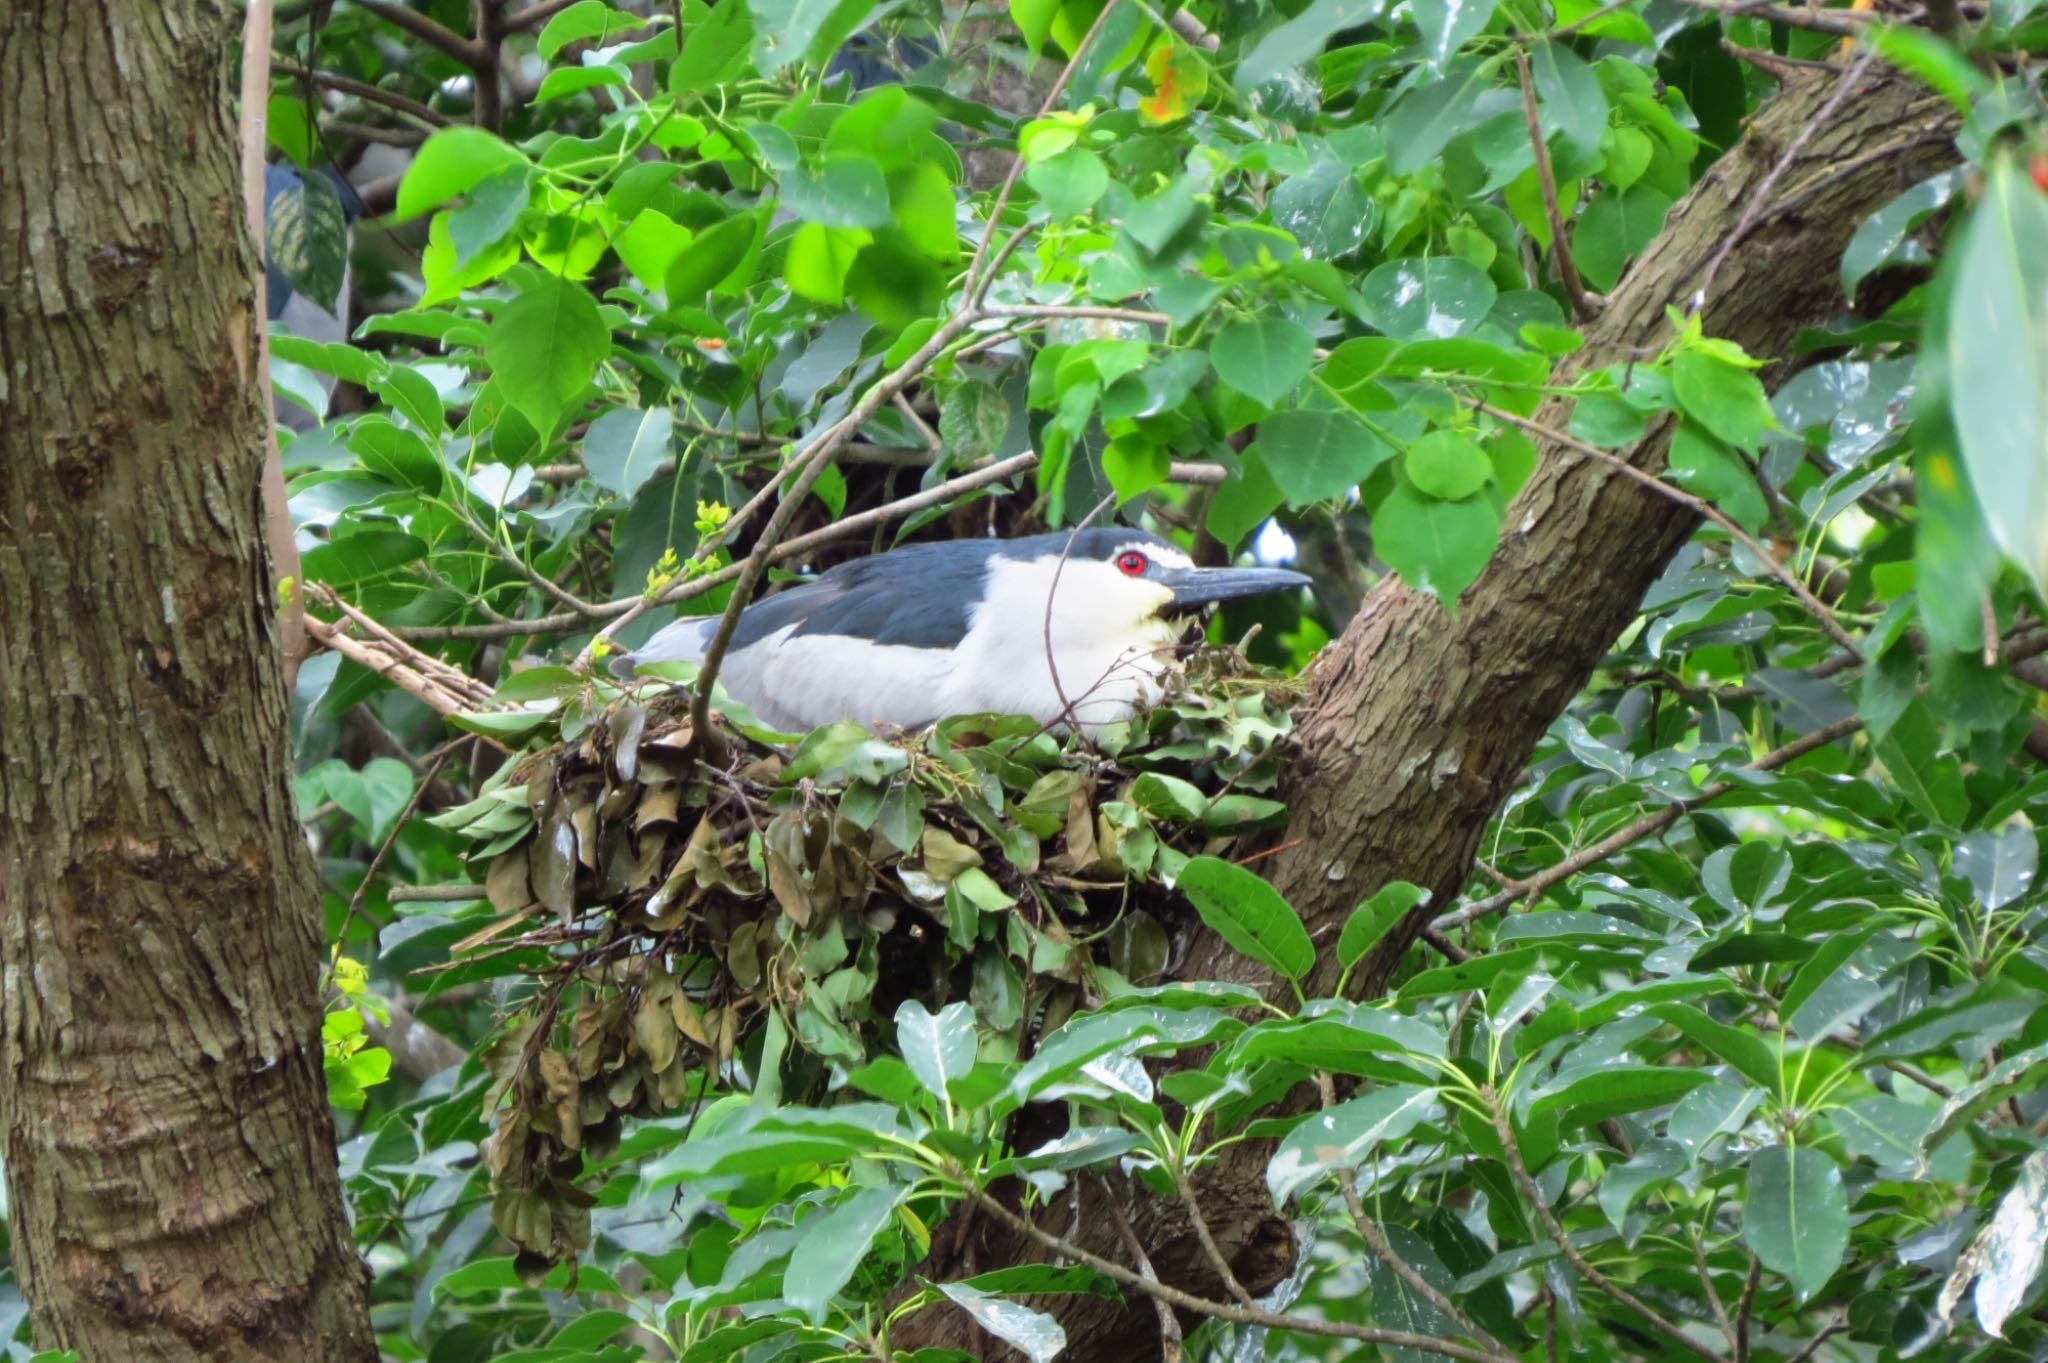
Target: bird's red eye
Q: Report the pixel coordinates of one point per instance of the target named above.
(1131, 563)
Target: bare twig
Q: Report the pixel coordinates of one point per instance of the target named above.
(1169, 1324)
(1645, 826)
(1747, 1308)
(347, 85)
(1699, 1259)
(1230, 1311)
(1577, 1260)
(1210, 1249)
(976, 282)
(435, 894)
(1814, 605)
(1841, 22)
(355, 901)
(278, 533)
(1759, 201)
(1584, 304)
(428, 30)
(813, 464)
(1376, 1239)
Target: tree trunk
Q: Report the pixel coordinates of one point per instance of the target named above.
(170, 1155)
(1418, 723)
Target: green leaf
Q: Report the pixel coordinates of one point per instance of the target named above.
(395, 454)
(306, 237)
(1446, 24)
(972, 419)
(1938, 64)
(1296, 41)
(714, 51)
(1616, 1091)
(1886, 236)
(649, 244)
(1370, 921)
(1930, 778)
(1034, 20)
(819, 259)
(1570, 95)
(706, 262)
(1245, 911)
(787, 32)
(938, 1049)
(832, 1245)
(1747, 1053)
(1263, 359)
(1315, 455)
(1796, 1215)
(1654, 1161)
(1615, 226)
(545, 347)
(408, 392)
(1032, 1333)
(586, 20)
(1998, 364)
(1447, 465)
(364, 556)
(1710, 470)
(1437, 547)
(625, 446)
(1068, 184)
(1725, 398)
(1436, 296)
(1326, 209)
(1422, 124)
(1342, 1136)
(449, 163)
(564, 81)
(847, 191)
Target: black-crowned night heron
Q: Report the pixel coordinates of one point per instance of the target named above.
(931, 630)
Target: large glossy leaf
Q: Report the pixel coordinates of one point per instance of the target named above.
(1247, 912)
(1316, 455)
(1795, 1215)
(625, 446)
(1437, 546)
(1435, 296)
(1342, 1136)
(938, 1049)
(545, 347)
(833, 1246)
(1263, 359)
(1998, 363)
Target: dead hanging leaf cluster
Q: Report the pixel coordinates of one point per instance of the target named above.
(683, 924)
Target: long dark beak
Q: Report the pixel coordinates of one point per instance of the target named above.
(1196, 588)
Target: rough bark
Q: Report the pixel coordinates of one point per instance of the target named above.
(1418, 722)
(169, 1151)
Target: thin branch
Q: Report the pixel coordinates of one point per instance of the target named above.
(976, 282)
(814, 463)
(1193, 1208)
(1376, 1239)
(535, 15)
(1699, 1259)
(355, 901)
(1156, 319)
(1814, 605)
(1230, 1311)
(1585, 305)
(362, 90)
(427, 29)
(936, 446)
(1169, 1324)
(1759, 199)
(1570, 1251)
(1747, 1308)
(435, 894)
(855, 524)
(279, 535)
(1645, 826)
(1840, 22)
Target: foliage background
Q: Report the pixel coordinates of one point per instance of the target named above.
(1733, 1045)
